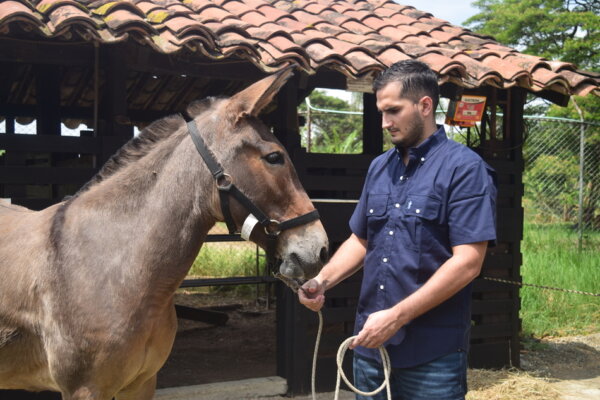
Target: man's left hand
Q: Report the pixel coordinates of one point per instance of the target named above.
(380, 326)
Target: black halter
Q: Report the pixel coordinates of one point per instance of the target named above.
(226, 188)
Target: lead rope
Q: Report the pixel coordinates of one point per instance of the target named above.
(340, 372)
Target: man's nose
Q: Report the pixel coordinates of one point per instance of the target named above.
(385, 122)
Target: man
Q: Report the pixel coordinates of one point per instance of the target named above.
(421, 227)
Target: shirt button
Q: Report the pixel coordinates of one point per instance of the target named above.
(381, 287)
(418, 211)
(422, 159)
(402, 178)
(371, 211)
(397, 205)
(391, 233)
(385, 259)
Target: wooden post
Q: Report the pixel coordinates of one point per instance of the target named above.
(285, 118)
(372, 132)
(47, 86)
(114, 121)
(515, 138)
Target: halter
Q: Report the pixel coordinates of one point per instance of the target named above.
(227, 188)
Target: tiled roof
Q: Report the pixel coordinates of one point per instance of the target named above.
(356, 37)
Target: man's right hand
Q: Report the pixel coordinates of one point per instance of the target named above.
(311, 294)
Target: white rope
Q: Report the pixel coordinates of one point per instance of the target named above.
(340, 372)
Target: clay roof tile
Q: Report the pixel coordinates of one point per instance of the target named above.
(291, 24)
(70, 15)
(352, 36)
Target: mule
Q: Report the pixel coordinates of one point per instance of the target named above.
(87, 285)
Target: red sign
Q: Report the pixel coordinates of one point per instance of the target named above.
(467, 111)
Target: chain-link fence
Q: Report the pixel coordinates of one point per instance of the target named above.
(562, 172)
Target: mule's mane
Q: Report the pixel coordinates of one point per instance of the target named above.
(141, 145)
(136, 148)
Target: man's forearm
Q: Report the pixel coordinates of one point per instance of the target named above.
(346, 261)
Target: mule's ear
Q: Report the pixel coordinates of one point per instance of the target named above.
(252, 100)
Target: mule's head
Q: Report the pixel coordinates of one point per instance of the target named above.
(260, 167)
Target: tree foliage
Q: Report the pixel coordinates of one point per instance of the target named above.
(331, 132)
(567, 30)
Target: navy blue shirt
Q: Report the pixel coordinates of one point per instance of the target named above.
(411, 216)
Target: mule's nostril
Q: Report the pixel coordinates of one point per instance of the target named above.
(295, 258)
(324, 255)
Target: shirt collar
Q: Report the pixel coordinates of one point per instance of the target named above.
(423, 150)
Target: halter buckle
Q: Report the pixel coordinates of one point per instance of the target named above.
(273, 228)
(224, 181)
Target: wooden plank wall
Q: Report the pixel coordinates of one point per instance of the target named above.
(39, 170)
(495, 333)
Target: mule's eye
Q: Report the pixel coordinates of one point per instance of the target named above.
(274, 158)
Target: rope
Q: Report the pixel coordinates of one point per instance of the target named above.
(488, 278)
(340, 371)
(384, 354)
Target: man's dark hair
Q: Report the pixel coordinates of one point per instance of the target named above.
(416, 78)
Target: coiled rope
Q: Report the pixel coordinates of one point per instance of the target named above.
(340, 372)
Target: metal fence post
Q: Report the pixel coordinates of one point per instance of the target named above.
(581, 167)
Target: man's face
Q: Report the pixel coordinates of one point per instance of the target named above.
(400, 116)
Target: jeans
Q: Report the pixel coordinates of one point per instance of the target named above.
(444, 378)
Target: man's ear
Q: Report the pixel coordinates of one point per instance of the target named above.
(426, 106)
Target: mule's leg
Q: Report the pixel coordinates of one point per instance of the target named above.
(138, 391)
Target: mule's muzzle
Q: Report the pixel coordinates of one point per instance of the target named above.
(294, 270)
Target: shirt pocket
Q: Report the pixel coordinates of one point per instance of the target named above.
(420, 213)
(376, 213)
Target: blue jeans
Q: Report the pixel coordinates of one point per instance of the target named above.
(444, 378)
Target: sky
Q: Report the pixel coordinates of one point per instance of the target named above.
(453, 11)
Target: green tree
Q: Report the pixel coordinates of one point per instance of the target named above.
(331, 132)
(567, 30)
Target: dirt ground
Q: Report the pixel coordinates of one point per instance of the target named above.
(570, 364)
(557, 369)
(242, 348)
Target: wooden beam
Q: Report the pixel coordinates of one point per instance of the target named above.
(27, 110)
(58, 144)
(44, 175)
(202, 315)
(144, 59)
(555, 97)
(46, 52)
(327, 78)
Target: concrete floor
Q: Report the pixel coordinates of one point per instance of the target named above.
(270, 388)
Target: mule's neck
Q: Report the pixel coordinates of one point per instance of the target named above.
(158, 212)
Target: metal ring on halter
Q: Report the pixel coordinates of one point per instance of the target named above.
(273, 228)
(224, 181)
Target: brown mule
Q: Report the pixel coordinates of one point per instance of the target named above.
(87, 285)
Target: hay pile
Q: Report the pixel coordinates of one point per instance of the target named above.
(508, 385)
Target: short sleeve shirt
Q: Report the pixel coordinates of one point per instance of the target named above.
(411, 216)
